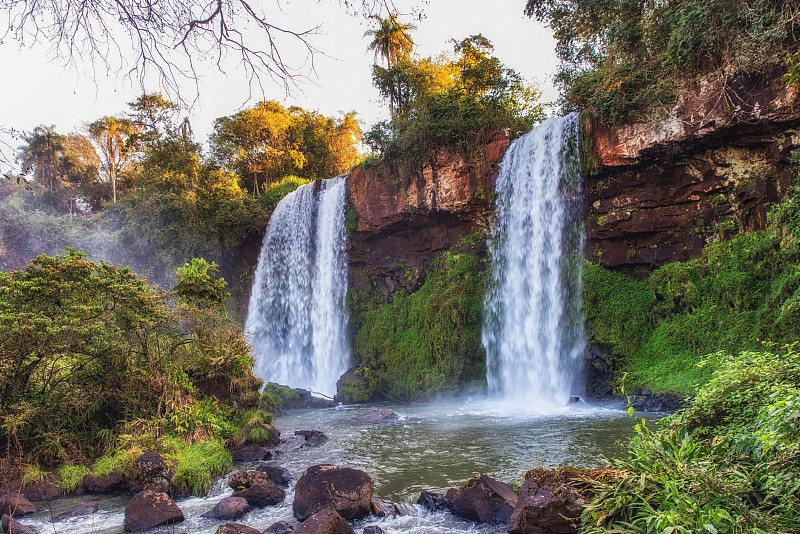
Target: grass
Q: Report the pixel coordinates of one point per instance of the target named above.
(199, 463)
(72, 477)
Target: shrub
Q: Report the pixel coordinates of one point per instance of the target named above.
(199, 463)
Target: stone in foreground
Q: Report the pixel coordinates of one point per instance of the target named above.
(236, 528)
(86, 508)
(348, 491)
(228, 509)
(261, 495)
(326, 521)
(149, 509)
(546, 505)
(485, 500)
(15, 505)
(12, 526)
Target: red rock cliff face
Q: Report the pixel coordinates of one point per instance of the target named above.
(694, 174)
(405, 222)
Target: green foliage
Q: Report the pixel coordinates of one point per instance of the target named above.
(728, 464)
(426, 342)
(278, 396)
(72, 477)
(199, 463)
(196, 283)
(738, 293)
(622, 57)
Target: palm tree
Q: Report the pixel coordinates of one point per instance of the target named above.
(43, 153)
(391, 39)
(115, 137)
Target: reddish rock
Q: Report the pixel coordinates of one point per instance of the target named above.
(152, 472)
(228, 509)
(326, 521)
(546, 505)
(86, 508)
(12, 526)
(406, 220)
(280, 527)
(313, 438)
(484, 499)
(245, 479)
(236, 528)
(15, 505)
(149, 509)
(277, 474)
(348, 491)
(251, 453)
(47, 489)
(110, 483)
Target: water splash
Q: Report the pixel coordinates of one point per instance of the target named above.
(533, 331)
(296, 320)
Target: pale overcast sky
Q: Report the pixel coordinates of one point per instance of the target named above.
(37, 89)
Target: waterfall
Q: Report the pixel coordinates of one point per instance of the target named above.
(296, 320)
(533, 331)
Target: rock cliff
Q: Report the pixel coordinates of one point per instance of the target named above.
(400, 223)
(708, 167)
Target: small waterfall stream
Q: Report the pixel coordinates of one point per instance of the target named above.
(296, 319)
(533, 331)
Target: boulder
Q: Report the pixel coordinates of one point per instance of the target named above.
(382, 509)
(150, 471)
(376, 416)
(485, 500)
(236, 528)
(15, 505)
(244, 479)
(325, 521)
(546, 505)
(149, 509)
(277, 474)
(12, 526)
(110, 483)
(228, 509)
(281, 527)
(644, 400)
(312, 438)
(47, 489)
(374, 529)
(352, 387)
(251, 453)
(86, 508)
(346, 490)
(436, 502)
(261, 495)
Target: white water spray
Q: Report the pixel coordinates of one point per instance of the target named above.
(533, 332)
(296, 320)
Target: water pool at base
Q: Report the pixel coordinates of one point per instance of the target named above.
(433, 446)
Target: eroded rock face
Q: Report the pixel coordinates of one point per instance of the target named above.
(12, 526)
(347, 491)
(698, 173)
(151, 472)
(228, 509)
(277, 474)
(261, 495)
(405, 222)
(149, 509)
(236, 528)
(110, 483)
(15, 505)
(484, 499)
(86, 508)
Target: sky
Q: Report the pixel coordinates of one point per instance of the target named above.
(46, 91)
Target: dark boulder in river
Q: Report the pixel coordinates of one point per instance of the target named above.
(376, 416)
(436, 502)
(483, 499)
(348, 491)
(110, 483)
(12, 526)
(15, 505)
(546, 504)
(236, 528)
(281, 527)
(261, 495)
(149, 509)
(277, 474)
(150, 471)
(245, 479)
(326, 521)
(46, 489)
(228, 509)
(312, 437)
(251, 453)
(86, 508)
(373, 529)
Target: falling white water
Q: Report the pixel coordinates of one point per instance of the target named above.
(533, 331)
(297, 320)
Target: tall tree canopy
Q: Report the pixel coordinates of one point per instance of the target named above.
(116, 138)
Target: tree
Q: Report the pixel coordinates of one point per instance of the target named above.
(167, 38)
(390, 40)
(116, 138)
(42, 154)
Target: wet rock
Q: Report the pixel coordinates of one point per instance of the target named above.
(12, 526)
(382, 509)
(374, 529)
(86, 508)
(261, 495)
(245, 479)
(436, 502)
(352, 388)
(376, 416)
(546, 505)
(281, 527)
(110, 483)
(326, 521)
(484, 499)
(15, 505)
(277, 474)
(644, 400)
(150, 471)
(236, 528)
(347, 490)
(251, 453)
(149, 509)
(228, 509)
(47, 489)
(312, 438)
